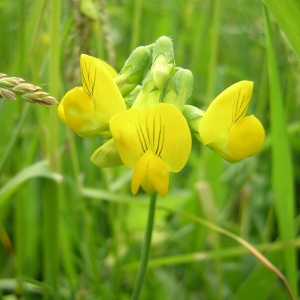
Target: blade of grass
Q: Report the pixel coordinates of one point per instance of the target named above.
(51, 190)
(212, 254)
(40, 169)
(287, 15)
(9, 149)
(213, 174)
(136, 24)
(282, 171)
(213, 51)
(260, 284)
(241, 241)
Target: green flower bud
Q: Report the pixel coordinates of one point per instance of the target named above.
(163, 61)
(179, 88)
(134, 70)
(107, 155)
(193, 116)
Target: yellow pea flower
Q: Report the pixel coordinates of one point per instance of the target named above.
(154, 141)
(224, 127)
(88, 109)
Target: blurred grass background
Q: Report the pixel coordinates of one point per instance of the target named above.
(69, 230)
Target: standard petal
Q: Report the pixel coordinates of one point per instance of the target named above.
(227, 108)
(125, 128)
(109, 68)
(161, 129)
(175, 140)
(99, 85)
(79, 113)
(246, 138)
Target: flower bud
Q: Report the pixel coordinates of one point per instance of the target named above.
(193, 116)
(26, 88)
(12, 86)
(39, 97)
(6, 94)
(10, 81)
(163, 61)
(134, 69)
(107, 155)
(179, 88)
(48, 100)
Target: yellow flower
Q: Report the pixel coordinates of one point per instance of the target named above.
(224, 127)
(88, 109)
(154, 141)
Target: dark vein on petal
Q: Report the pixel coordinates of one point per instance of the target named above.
(87, 81)
(153, 135)
(161, 139)
(148, 135)
(238, 107)
(142, 138)
(141, 143)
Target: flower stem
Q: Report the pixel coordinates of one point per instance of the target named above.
(145, 248)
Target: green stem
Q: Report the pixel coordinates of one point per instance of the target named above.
(145, 249)
(213, 50)
(136, 24)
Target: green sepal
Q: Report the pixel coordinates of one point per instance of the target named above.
(179, 88)
(193, 116)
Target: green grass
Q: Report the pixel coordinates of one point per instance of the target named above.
(69, 230)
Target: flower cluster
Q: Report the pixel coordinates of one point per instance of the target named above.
(10, 87)
(143, 113)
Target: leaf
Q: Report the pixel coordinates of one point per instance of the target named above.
(40, 169)
(282, 169)
(287, 16)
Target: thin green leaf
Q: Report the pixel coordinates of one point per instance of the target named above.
(282, 172)
(40, 169)
(287, 15)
